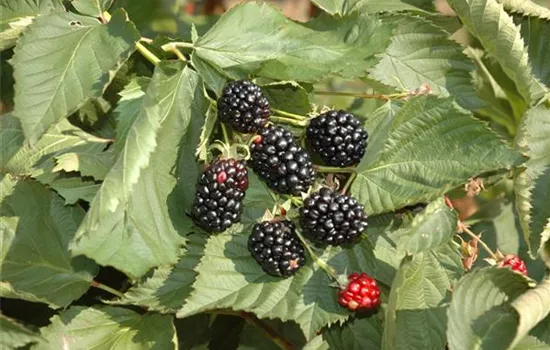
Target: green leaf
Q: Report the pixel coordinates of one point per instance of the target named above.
(317, 343)
(480, 315)
(36, 231)
(421, 53)
(94, 164)
(17, 15)
(107, 327)
(265, 43)
(532, 307)
(423, 151)
(94, 8)
(495, 29)
(416, 313)
(526, 8)
(251, 338)
(202, 151)
(138, 218)
(62, 61)
(536, 33)
(359, 333)
(288, 96)
(15, 335)
(345, 7)
(166, 288)
(11, 139)
(430, 229)
(531, 186)
(229, 277)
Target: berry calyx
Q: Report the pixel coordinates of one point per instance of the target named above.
(219, 194)
(329, 217)
(281, 162)
(338, 138)
(515, 264)
(275, 246)
(360, 294)
(243, 106)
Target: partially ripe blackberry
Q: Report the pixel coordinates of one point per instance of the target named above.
(243, 106)
(276, 247)
(360, 294)
(219, 194)
(332, 218)
(515, 263)
(280, 161)
(337, 137)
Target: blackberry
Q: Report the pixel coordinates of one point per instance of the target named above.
(276, 248)
(219, 193)
(332, 218)
(243, 105)
(281, 162)
(337, 137)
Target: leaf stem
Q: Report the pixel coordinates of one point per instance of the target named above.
(363, 95)
(107, 289)
(332, 169)
(253, 320)
(288, 114)
(151, 57)
(469, 232)
(169, 46)
(290, 121)
(322, 264)
(224, 131)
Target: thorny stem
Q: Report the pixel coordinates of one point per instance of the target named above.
(284, 120)
(107, 289)
(256, 322)
(479, 241)
(288, 114)
(331, 169)
(322, 264)
(363, 95)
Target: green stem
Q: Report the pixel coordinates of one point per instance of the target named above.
(332, 169)
(479, 241)
(322, 264)
(363, 95)
(288, 114)
(169, 46)
(107, 289)
(348, 183)
(288, 121)
(225, 135)
(151, 57)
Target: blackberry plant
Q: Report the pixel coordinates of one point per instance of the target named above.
(207, 184)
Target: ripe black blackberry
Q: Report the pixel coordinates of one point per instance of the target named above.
(243, 105)
(337, 137)
(332, 218)
(219, 194)
(280, 161)
(276, 247)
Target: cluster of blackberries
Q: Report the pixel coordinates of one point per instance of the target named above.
(327, 217)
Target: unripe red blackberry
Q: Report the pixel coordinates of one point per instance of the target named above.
(276, 247)
(219, 194)
(338, 138)
(515, 263)
(280, 161)
(332, 218)
(243, 106)
(360, 294)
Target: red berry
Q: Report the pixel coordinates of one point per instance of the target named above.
(221, 177)
(361, 293)
(257, 139)
(515, 263)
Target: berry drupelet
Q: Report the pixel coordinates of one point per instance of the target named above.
(338, 138)
(280, 161)
(361, 293)
(219, 194)
(332, 218)
(243, 106)
(276, 247)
